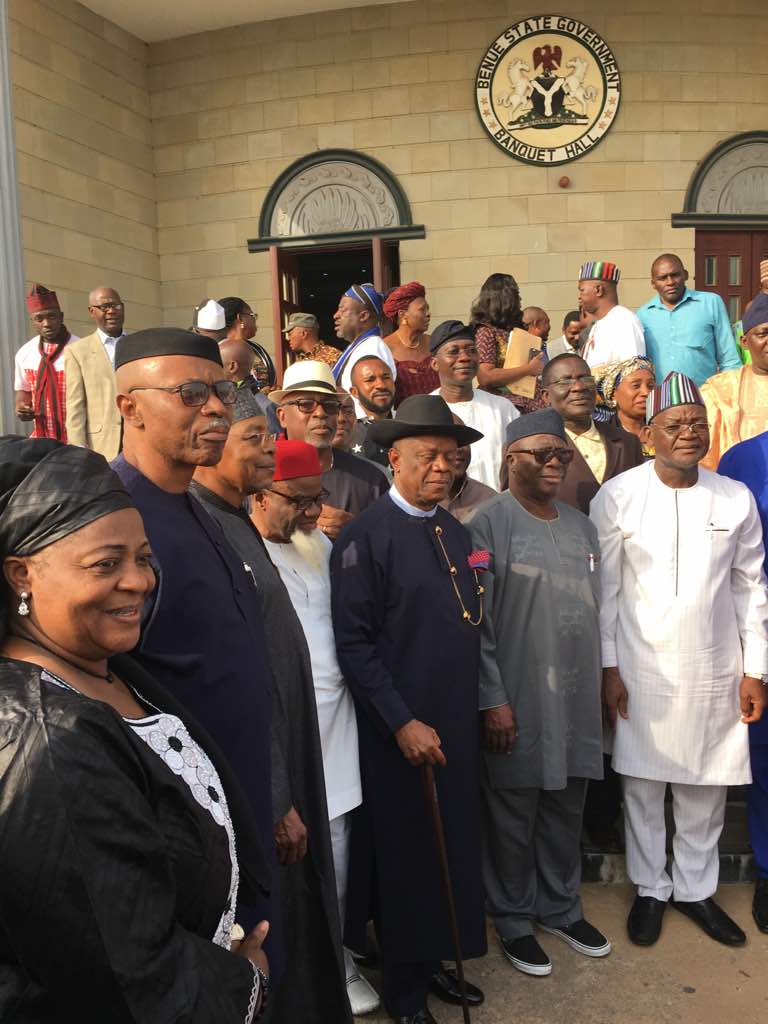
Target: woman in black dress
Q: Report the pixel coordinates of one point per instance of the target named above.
(125, 840)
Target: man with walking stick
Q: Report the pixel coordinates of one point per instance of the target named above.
(407, 605)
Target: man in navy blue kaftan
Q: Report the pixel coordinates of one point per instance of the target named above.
(406, 608)
(203, 636)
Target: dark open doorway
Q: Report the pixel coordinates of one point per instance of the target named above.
(324, 276)
(313, 279)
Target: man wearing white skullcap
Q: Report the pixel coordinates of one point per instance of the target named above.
(209, 320)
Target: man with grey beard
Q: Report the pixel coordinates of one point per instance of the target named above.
(286, 516)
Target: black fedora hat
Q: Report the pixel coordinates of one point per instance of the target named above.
(421, 416)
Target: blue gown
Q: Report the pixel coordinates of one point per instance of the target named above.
(203, 638)
(748, 462)
(406, 652)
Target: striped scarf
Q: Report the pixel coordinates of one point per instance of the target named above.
(46, 390)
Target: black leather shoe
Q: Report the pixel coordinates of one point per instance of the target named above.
(760, 904)
(421, 1017)
(445, 985)
(713, 920)
(644, 921)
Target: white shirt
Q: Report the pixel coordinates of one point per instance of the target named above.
(309, 588)
(684, 616)
(407, 507)
(491, 415)
(109, 344)
(27, 363)
(619, 335)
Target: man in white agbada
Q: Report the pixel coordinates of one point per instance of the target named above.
(286, 517)
(685, 647)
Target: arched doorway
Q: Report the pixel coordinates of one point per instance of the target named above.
(727, 204)
(331, 218)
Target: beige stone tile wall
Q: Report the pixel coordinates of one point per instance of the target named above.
(85, 160)
(232, 109)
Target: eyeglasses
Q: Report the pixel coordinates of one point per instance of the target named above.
(106, 306)
(544, 455)
(197, 392)
(262, 437)
(676, 429)
(307, 406)
(566, 383)
(303, 504)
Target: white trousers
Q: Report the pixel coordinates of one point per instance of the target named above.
(699, 812)
(340, 829)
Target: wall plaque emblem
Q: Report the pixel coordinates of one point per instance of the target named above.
(548, 89)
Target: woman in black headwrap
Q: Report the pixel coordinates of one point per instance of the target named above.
(118, 870)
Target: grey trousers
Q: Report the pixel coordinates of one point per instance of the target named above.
(532, 856)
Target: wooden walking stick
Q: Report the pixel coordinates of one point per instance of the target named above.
(430, 795)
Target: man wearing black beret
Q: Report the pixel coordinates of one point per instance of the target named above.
(455, 358)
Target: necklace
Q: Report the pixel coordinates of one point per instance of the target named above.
(453, 571)
(95, 675)
(407, 344)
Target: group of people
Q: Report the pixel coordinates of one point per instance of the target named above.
(251, 631)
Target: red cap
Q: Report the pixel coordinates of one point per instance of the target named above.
(294, 459)
(40, 298)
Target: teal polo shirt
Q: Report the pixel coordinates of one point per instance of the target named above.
(694, 338)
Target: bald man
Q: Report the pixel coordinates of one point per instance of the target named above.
(536, 321)
(92, 417)
(686, 331)
(203, 638)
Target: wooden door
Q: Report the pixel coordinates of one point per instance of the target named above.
(728, 262)
(285, 300)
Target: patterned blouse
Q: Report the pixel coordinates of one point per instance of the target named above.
(492, 348)
(415, 377)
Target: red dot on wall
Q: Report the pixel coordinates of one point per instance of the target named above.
(564, 182)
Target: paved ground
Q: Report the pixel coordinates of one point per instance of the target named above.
(685, 979)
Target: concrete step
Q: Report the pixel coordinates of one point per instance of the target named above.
(736, 859)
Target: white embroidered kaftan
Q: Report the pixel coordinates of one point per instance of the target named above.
(684, 615)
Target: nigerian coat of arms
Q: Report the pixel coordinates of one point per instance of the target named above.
(548, 89)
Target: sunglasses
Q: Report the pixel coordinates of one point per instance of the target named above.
(307, 406)
(197, 392)
(544, 455)
(303, 504)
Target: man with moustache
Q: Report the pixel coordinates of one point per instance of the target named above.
(312, 988)
(616, 332)
(539, 697)
(455, 358)
(569, 342)
(369, 376)
(286, 515)
(685, 330)
(406, 609)
(308, 409)
(93, 420)
(683, 623)
(601, 450)
(39, 385)
(357, 319)
(203, 637)
(737, 400)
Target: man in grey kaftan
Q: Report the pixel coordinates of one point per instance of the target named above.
(539, 694)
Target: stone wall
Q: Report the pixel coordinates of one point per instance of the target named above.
(85, 160)
(231, 109)
(146, 167)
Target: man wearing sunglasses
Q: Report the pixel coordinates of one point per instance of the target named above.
(93, 420)
(203, 636)
(540, 679)
(308, 410)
